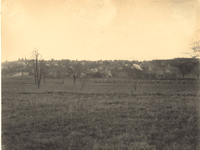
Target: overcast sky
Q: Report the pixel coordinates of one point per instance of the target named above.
(99, 29)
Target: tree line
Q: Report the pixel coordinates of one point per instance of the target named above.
(40, 68)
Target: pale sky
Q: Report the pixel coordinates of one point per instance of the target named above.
(99, 29)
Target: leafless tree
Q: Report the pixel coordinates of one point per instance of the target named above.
(195, 50)
(75, 70)
(34, 70)
(196, 70)
(37, 66)
(83, 81)
(133, 76)
(44, 69)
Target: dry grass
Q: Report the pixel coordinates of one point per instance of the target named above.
(57, 85)
(53, 118)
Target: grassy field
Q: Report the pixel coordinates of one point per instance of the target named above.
(103, 116)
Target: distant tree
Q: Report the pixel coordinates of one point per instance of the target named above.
(37, 66)
(106, 62)
(11, 68)
(66, 64)
(196, 70)
(29, 67)
(33, 70)
(185, 68)
(51, 63)
(23, 66)
(93, 68)
(195, 50)
(59, 69)
(196, 67)
(195, 54)
(114, 72)
(163, 68)
(45, 70)
(76, 69)
(8, 68)
(134, 75)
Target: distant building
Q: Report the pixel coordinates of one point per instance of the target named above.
(137, 66)
(94, 70)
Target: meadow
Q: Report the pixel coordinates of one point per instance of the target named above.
(98, 116)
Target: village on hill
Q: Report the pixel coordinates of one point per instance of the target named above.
(156, 69)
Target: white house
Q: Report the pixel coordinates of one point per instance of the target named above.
(94, 70)
(137, 66)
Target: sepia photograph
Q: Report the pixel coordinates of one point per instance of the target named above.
(100, 74)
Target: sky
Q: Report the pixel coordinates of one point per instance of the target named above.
(98, 29)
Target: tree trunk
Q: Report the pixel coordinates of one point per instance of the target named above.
(38, 84)
(36, 72)
(35, 80)
(183, 74)
(74, 79)
(44, 78)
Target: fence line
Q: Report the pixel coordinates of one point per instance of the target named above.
(147, 81)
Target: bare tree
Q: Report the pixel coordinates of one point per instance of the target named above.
(134, 76)
(186, 68)
(195, 50)
(22, 66)
(34, 70)
(83, 81)
(44, 69)
(38, 66)
(76, 69)
(196, 70)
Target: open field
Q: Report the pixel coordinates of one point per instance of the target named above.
(108, 116)
(57, 85)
